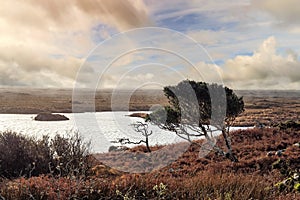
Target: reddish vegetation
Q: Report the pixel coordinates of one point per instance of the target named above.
(189, 177)
(268, 107)
(251, 147)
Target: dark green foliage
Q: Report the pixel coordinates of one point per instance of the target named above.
(193, 106)
(235, 104)
(191, 102)
(168, 115)
(26, 156)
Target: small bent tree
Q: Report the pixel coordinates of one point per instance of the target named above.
(139, 127)
(199, 109)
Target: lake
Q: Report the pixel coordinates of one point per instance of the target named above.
(99, 128)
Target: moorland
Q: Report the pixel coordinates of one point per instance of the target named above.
(268, 167)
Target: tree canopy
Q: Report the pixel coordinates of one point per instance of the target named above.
(193, 100)
(195, 106)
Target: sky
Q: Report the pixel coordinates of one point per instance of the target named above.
(245, 44)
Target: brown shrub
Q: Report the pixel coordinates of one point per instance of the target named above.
(21, 155)
(189, 177)
(201, 186)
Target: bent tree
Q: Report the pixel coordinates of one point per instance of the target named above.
(200, 109)
(141, 128)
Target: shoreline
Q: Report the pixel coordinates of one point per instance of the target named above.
(263, 106)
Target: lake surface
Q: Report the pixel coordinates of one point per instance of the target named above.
(99, 128)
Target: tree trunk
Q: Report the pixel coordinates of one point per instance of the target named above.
(230, 155)
(147, 145)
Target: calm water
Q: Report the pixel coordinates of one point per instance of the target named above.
(99, 128)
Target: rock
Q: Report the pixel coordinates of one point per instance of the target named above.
(50, 117)
(112, 148)
(117, 148)
(141, 115)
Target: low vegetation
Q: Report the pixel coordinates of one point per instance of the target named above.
(266, 160)
(23, 156)
(259, 174)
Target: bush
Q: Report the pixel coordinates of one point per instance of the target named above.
(21, 155)
(71, 155)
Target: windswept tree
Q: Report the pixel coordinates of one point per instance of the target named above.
(141, 128)
(199, 109)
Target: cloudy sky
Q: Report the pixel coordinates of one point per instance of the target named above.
(245, 44)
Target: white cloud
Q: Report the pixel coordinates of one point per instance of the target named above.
(42, 41)
(265, 69)
(211, 37)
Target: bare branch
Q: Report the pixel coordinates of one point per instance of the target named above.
(127, 141)
(139, 127)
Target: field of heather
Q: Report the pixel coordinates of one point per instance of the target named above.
(150, 100)
(268, 166)
(261, 173)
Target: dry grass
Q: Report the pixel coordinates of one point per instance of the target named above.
(269, 107)
(189, 177)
